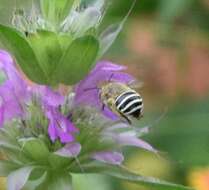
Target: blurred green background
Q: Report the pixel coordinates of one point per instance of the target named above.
(165, 44)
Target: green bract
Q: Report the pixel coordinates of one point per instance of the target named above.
(62, 44)
(55, 11)
(32, 163)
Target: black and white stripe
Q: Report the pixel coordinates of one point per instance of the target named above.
(130, 104)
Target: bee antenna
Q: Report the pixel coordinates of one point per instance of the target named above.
(163, 114)
(111, 76)
(94, 88)
(155, 122)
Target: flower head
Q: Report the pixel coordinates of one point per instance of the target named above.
(56, 140)
(47, 135)
(56, 117)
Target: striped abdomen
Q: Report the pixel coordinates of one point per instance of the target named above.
(130, 103)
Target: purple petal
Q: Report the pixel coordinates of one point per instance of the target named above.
(66, 124)
(59, 126)
(122, 77)
(90, 97)
(7, 65)
(13, 92)
(10, 104)
(109, 114)
(130, 139)
(114, 158)
(50, 97)
(108, 66)
(69, 150)
(52, 130)
(5, 57)
(65, 137)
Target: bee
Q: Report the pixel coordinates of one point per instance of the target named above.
(122, 100)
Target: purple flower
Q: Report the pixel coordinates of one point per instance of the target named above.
(59, 127)
(13, 91)
(87, 91)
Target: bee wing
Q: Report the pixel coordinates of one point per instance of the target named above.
(136, 84)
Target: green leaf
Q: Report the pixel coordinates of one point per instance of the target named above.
(19, 47)
(77, 60)
(58, 162)
(17, 179)
(56, 180)
(47, 48)
(32, 182)
(64, 41)
(146, 181)
(6, 142)
(63, 8)
(14, 155)
(9, 145)
(35, 149)
(92, 182)
(124, 174)
(56, 10)
(7, 167)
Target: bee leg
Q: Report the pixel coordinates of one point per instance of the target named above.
(103, 107)
(126, 118)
